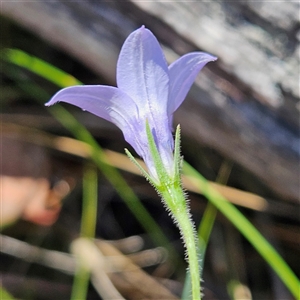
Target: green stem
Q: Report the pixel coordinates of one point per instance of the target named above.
(90, 200)
(88, 228)
(168, 185)
(176, 202)
(81, 282)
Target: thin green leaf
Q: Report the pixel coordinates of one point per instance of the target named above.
(5, 295)
(40, 67)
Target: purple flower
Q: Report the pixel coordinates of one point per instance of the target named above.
(147, 90)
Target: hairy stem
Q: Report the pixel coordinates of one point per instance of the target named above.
(168, 185)
(176, 202)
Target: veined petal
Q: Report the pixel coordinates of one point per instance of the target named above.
(142, 73)
(183, 73)
(103, 101)
(108, 103)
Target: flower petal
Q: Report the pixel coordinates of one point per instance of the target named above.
(183, 73)
(106, 102)
(142, 72)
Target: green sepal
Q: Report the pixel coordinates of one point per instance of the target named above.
(143, 171)
(162, 174)
(177, 156)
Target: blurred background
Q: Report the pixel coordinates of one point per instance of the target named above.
(240, 129)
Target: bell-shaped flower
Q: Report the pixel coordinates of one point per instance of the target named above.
(147, 91)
